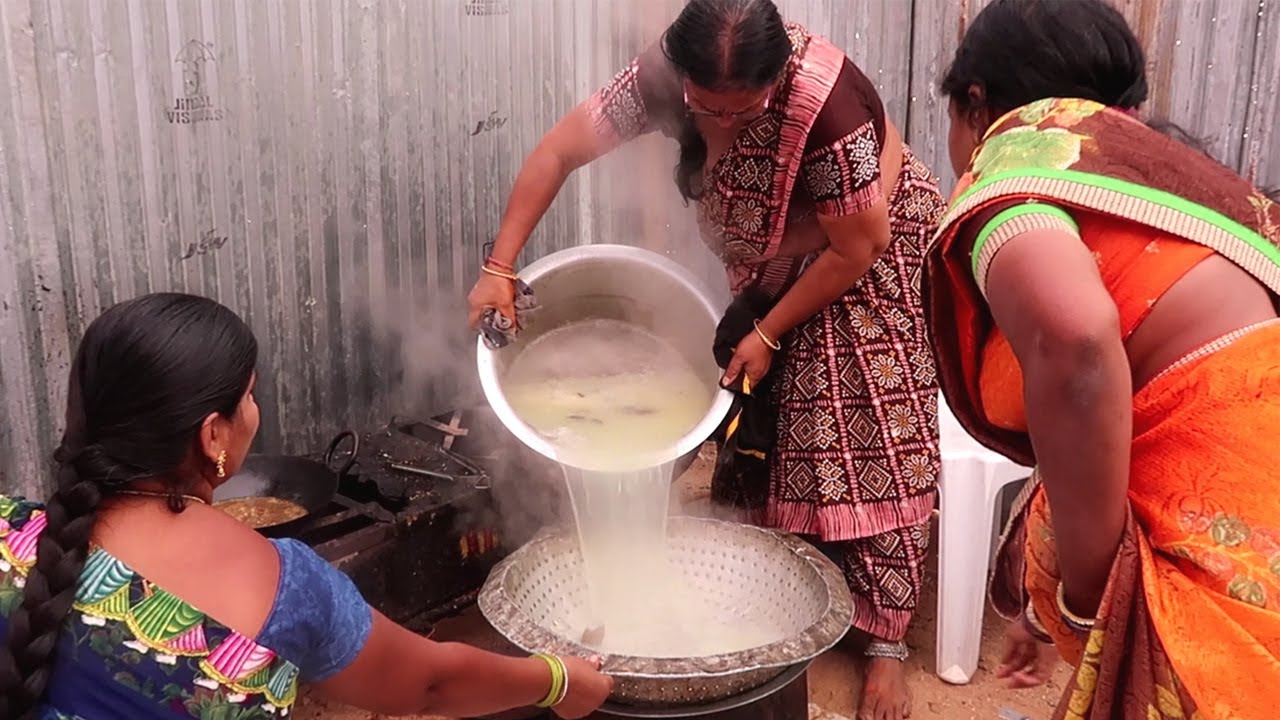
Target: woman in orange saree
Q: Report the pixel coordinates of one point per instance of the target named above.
(1102, 303)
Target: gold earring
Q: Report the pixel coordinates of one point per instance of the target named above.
(222, 464)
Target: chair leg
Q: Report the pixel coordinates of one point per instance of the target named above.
(964, 553)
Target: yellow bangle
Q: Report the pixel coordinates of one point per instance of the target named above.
(1073, 621)
(499, 273)
(559, 681)
(1038, 630)
(773, 344)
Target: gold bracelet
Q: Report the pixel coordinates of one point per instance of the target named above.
(499, 273)
(1074, 621)
(773, 344)
(1038, 630)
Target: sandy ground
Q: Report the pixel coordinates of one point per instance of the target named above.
(833, 678)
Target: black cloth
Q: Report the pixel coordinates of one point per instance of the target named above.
(741, 476)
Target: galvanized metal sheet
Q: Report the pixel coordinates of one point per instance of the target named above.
(937, 27)
(1261, 140)
(331, 169)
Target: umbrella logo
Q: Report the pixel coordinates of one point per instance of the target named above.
(194, 104)
(193, 57)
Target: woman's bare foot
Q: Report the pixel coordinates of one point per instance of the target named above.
(884, 693)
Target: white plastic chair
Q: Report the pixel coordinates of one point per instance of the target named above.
(971, 483)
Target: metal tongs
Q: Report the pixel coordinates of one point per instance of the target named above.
(477, 477)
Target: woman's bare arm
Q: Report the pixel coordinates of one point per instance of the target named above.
(1047, 297)
(399, 673)
(572, 143)
(857, 241)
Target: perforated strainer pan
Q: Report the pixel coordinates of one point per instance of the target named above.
(758, 575)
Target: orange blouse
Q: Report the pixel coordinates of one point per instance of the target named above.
(1138, 265)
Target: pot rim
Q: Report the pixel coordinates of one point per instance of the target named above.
(487, 359)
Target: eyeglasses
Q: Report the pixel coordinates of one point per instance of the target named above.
(755, 109)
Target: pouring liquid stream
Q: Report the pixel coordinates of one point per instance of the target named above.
(611, 397)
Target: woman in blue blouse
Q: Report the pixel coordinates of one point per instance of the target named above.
(127, 596)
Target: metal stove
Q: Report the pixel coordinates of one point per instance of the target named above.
(786, 697)
(412, 523)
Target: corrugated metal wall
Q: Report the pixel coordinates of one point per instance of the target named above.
(331, 168)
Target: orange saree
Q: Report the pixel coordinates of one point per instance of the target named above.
(1189, 626)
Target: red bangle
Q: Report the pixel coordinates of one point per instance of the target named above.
(499, 264)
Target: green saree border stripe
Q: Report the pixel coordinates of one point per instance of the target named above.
(1008, 214)
(1130, 189)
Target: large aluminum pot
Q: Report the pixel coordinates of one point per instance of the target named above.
(614, 282)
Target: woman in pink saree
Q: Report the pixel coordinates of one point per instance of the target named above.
(820, 213)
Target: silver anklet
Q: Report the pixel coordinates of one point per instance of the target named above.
(892, 650)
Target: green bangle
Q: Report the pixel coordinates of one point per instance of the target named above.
(559, 681)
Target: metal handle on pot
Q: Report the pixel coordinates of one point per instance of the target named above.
(333, 447)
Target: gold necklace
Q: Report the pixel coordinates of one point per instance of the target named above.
(148, 493)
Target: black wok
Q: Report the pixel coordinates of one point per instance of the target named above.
(304, 482)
